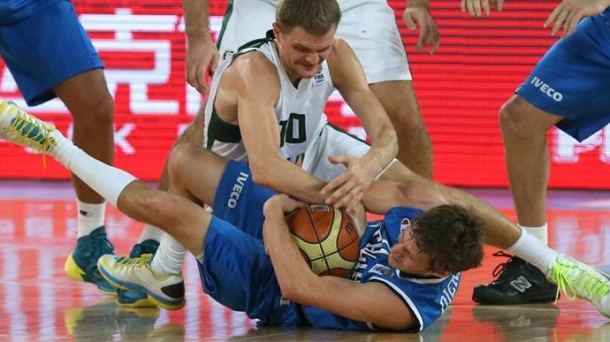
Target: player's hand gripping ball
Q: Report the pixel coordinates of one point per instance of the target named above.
(327, 238)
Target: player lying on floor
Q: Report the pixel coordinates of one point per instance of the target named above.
(407, 275)
(388, 293)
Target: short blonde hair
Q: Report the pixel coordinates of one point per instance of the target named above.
(316, 17)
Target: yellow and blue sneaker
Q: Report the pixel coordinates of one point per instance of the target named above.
(81, 264)
(24, 129)
(125, 273)
(137, 299)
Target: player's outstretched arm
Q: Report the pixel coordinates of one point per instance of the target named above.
(478, 7)
(201, 53)
(346, 190)
(569, 13)
(417, 14)
(370, 302)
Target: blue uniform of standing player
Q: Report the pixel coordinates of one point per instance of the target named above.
(568, 89)
(50, 55)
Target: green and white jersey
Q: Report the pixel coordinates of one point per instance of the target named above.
(299, 110)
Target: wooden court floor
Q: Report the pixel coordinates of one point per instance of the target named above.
(39, 303)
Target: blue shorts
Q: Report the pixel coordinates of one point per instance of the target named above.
(44, 45)
(236, 271)
(573, 79)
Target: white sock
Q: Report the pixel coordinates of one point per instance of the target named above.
(151, 232)
(169, 257)
(106, 180)
(541, 232)
(532, 250)
(90, 216)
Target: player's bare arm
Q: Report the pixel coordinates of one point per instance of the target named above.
(201, 53)
(417, 14)
(385, 195)
(477, 7)
(254, 86)
(569, 13)
(347, 74)
(368, 302)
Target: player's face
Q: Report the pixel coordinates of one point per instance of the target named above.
(406, 256)
(303, 53)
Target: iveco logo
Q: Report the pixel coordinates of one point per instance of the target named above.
(237, 188)
(545, 88)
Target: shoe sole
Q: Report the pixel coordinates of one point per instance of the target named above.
(123, 285)
(74, 272)
(143, 303)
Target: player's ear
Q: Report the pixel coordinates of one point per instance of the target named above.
(277, 31)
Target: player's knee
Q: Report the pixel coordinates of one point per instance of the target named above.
(512, 120)
(406, 121)
(180, 158)
(96, 114)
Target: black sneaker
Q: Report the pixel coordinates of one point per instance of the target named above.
(517, 282)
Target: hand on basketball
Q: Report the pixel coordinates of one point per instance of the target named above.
(570, 12)
(347, 189)
(419, 15)
(476, 7)
(201, 56)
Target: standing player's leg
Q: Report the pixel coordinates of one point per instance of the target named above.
(562, 90)
(49, 54)
(375, 39)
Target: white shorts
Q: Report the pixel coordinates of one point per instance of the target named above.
(368, 26)
(331, 141)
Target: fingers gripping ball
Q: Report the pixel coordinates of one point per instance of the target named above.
(327, 238)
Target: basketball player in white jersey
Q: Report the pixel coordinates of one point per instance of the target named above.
(368, 26)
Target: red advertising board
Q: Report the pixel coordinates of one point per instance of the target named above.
(460, 90)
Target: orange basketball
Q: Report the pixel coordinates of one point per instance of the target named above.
(327, 238)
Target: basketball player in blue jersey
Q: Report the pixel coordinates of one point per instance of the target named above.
(568, 88)
(408, 268)
(49, 54)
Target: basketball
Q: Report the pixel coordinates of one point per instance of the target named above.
(327, 239)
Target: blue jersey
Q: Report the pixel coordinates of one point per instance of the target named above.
(426, 298)
(236, 271)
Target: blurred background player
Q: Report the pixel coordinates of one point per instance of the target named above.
(50, 55)
(568, 89)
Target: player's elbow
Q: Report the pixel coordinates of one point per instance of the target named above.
(295, 289)
(263, 171)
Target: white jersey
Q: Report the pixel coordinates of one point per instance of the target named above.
(299, 111)
(368, 26)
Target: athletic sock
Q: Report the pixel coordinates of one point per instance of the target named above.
(532, 250)
(90, 217)
(169, 257)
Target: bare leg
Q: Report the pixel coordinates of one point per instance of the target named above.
(195, 172)
(524, 130)
(192, 135)
(414, 145)
(500, 231)
(88, 100)
(179, 217)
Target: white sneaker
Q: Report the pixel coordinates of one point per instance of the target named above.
(136, 274)
(578, 280)
(24, 129)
